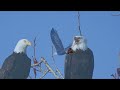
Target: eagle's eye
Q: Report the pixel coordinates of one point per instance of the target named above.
(25, 41)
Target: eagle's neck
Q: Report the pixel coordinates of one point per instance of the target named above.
(79, 46)
(20, 49)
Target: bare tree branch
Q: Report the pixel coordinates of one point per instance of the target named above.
(44, 74)
(37, 65)
(56, 65)
(49, 68)
(34, 57)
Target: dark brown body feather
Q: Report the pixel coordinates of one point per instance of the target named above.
(79, 65)
(16, 66)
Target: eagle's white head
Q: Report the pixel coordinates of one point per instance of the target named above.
(79, 42)
(22, 45)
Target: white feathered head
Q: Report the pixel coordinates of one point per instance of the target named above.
(22, 45)
(79, 42)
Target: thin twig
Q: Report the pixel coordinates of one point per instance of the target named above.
(34, 57)
(53, 55)
(37, 64)
(34, 46)
(44, 74)
(40, 67)
(60, 73)
(79, 23)
(36, 69)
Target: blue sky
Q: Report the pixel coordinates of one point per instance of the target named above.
(99, 27)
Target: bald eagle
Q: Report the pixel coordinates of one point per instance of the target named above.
(17, 65)
(80, 63)
(79, 59)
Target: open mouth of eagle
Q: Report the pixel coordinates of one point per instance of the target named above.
(70, 51)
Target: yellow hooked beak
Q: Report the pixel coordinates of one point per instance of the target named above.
(29, 43)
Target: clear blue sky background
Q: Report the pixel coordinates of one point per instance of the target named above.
(101, 29)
